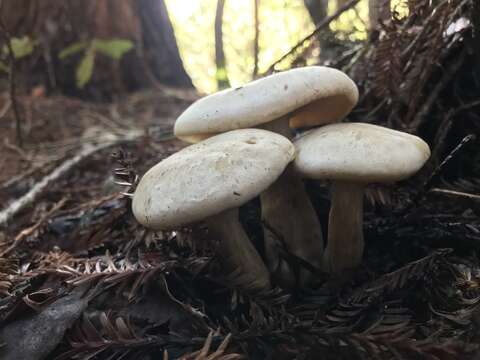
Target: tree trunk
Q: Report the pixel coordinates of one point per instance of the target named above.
(256, 48)
(378, 12)
(317, 9)
(55, 25)
(160, 44)
(221, 74)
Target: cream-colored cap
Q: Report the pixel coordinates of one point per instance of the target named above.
(359, 152)
(202, 180)
(314, 95)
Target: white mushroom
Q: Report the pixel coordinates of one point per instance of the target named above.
(307, 96)
(209, 181)
(302, 97)
(353, 155)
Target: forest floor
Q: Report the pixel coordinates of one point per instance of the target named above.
(414, 296)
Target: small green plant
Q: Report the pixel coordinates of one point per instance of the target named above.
(21, 47)
(113, 48)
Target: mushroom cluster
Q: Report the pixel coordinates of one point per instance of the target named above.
(244, 146)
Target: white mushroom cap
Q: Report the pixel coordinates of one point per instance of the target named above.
(359, 152)
(202, 180)
(329, 94)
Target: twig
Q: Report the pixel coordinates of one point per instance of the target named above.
(21, 152)
(369, 116)
(5, 108)
(447, 160)
(358, 53)
(467, 106)
(32, 169)
(455, 193)
(88, 150)
(11, 78)
(314, 33)
(427, 184)
(441, 135)
(30, 230)
(92, 204)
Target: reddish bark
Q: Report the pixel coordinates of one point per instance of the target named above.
(56, 24)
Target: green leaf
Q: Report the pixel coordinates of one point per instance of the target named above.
(85, 68)
(4, 67)
(72, 49)
(114, 48)
(221, 74)
(21, 47)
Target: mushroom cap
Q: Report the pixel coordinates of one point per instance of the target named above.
(204, 179)
(359, 152)
(313, 95)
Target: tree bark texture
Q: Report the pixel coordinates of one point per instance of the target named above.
(220, 61)
(317, 9)
(256, 40)
(54, 25)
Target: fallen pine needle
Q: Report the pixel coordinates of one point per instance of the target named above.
(87, 150)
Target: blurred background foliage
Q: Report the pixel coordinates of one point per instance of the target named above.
(282, 23)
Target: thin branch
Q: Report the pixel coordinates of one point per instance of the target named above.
(436, 173)
(467, 106)
(455, 193)
(314, 33)
(30, 230)
(5, 108)
(453, 154)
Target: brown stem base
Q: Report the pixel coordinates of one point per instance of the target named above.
(236, 253)
(345, 228)
(289, 214)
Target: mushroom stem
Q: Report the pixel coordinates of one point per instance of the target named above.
(280, 126)
(345, 227)
(237, 253)
(287, 210)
